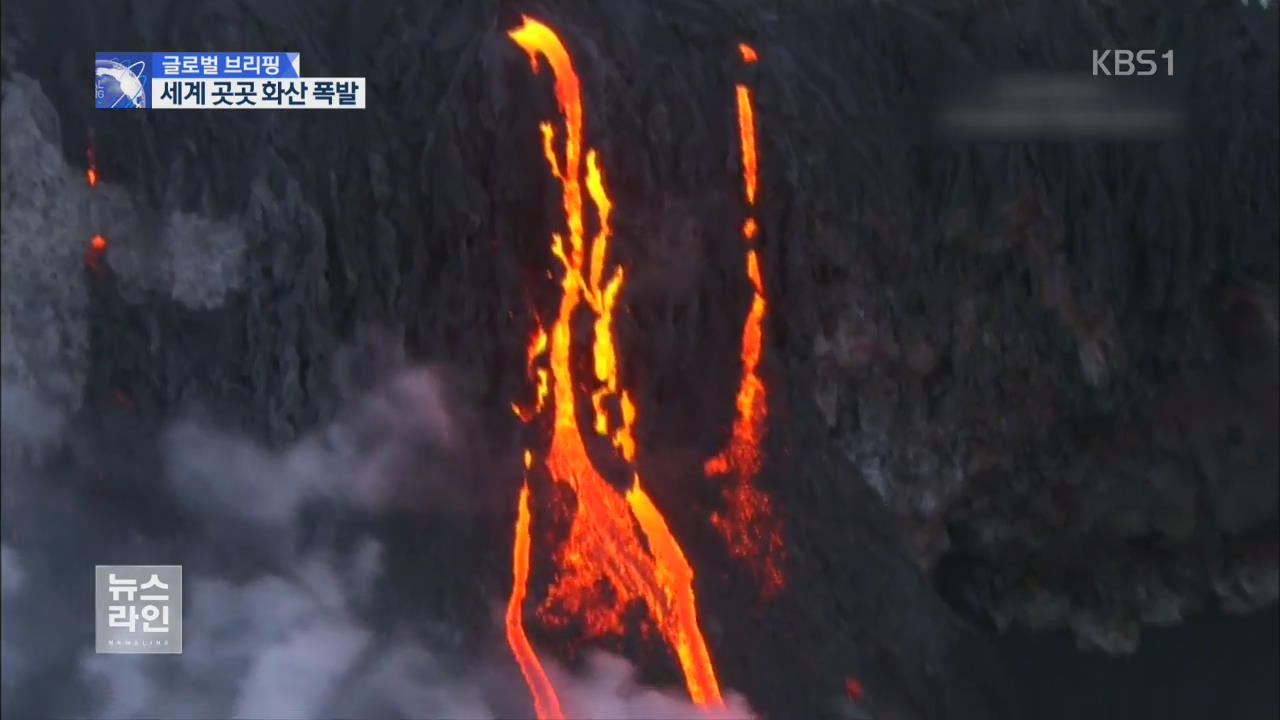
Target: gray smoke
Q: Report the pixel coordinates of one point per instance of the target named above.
(302, 640)
(282, 643)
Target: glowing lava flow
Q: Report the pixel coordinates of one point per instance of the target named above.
(748, 524)
(619, 550)
(545, 702)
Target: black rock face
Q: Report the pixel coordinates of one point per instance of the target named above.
(1036, 378)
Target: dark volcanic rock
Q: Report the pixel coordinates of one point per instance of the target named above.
(1041, 375)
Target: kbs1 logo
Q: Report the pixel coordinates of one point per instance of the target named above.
(138, 609)
(1126, 63)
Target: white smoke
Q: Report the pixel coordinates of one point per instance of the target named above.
(298, 642)
(42, 238)
(43, 333)
(193, 259)
(291, 643)
(609, 690)
(287, 642)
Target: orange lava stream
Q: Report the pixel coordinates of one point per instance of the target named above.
(536, 348)
(748, 524)
(545, 702)
(747, 137)
(619, 550)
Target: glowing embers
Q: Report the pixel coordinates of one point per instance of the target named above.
(93, 253)
(747, 523)
(97, 244)
(91, 172)
(617, 541)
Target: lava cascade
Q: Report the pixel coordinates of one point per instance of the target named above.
(619, 550)
(747, 523)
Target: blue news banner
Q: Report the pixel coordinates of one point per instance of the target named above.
(218, 81)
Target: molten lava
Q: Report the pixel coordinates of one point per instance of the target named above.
(545, 702)
(619, 551)
(747, 524)
(93, 254)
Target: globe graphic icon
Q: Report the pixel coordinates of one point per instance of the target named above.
(118, 86)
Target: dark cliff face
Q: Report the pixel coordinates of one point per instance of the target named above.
(1036, 378)
(1211, 666)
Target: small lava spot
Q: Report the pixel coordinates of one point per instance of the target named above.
(93, 254)
(123, 399)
